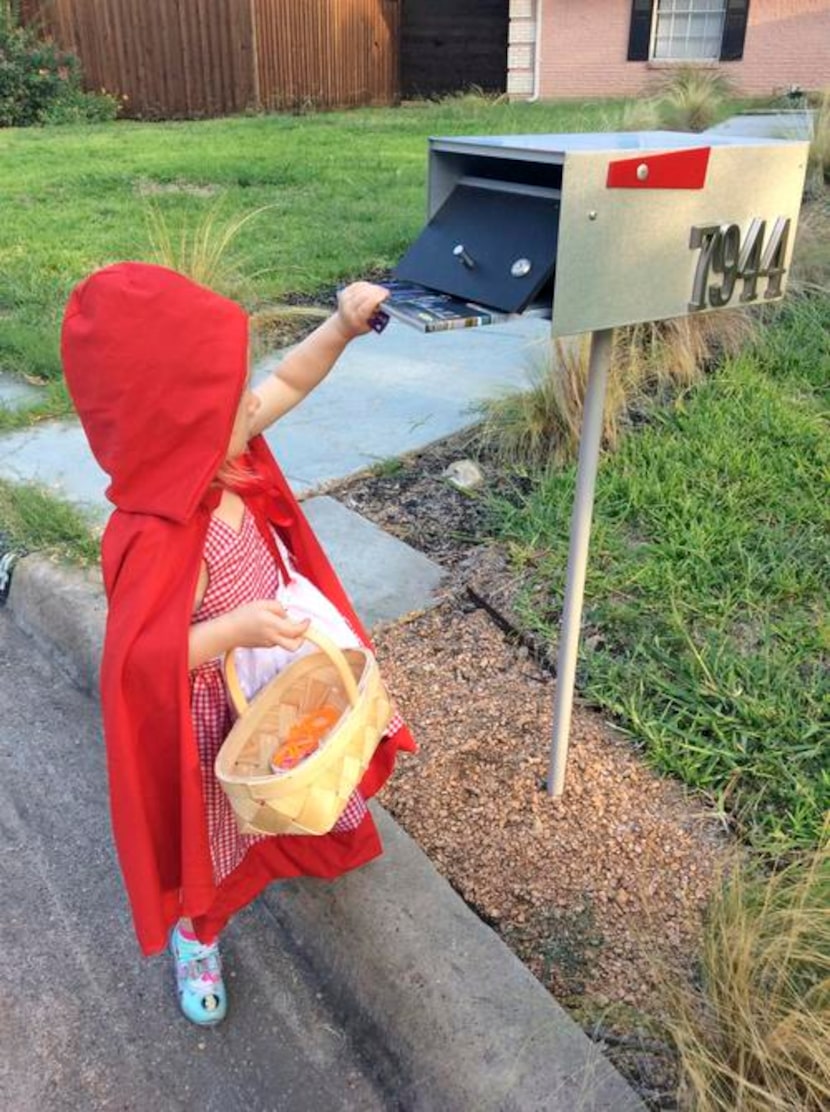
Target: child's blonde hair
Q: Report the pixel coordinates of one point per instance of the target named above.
(237, 475)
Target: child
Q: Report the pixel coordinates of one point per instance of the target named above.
(204, 551)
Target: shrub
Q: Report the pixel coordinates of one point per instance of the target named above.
(33, 74)
(77, 107)
(40, 83)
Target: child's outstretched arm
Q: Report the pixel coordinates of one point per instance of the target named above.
(310, 362)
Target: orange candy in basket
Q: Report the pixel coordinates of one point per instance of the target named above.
(304, 737)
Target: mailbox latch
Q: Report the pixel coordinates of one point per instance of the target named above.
(464, 256)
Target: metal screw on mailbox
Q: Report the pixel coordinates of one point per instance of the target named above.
(642, 172)
(521, 268)
(464, 256)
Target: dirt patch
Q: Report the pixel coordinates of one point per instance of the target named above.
(599, 892)
(146, 187)
(411, 499)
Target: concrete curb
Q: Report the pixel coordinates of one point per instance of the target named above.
(64, 611)
(463, 1024)
(452, 1020)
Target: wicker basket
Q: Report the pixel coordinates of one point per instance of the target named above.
(309, 798)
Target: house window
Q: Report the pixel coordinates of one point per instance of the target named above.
(688, 30)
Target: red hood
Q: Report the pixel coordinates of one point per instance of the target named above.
(156, 366)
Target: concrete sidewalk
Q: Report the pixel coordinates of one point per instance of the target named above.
(387, 395)
(454, 1020)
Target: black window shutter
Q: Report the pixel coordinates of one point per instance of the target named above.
(734, 30)
(639, 36)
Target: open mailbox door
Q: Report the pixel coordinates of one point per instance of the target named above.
(491, 242)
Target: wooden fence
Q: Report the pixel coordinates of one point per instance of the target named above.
(190, 58)
(451, 44)
(327, 52)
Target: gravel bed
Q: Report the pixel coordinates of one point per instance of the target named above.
(600, 892)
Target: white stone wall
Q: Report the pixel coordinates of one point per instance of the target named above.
(521, 49)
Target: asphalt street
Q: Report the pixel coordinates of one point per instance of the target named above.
(86, 1022)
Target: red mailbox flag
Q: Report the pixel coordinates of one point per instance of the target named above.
(676, 170)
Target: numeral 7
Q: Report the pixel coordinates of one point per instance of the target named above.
(704, 237)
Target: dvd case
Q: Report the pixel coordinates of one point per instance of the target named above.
(431, 311)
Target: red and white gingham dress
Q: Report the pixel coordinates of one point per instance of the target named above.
(242, 569)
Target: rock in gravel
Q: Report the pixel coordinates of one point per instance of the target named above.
(464, 474)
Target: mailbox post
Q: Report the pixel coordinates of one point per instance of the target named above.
(590, 442)
(596, 231)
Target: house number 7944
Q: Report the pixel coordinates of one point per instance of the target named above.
(723, 254)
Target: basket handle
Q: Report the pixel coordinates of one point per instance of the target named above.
(323, 642)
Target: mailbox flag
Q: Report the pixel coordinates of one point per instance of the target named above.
(684, 169)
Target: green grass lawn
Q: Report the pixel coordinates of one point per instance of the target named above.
(706, 625)
(33, 520)
(347, 194)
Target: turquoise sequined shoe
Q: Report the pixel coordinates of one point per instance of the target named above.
(201, 990)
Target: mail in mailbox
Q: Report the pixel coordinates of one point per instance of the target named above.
(599, 230)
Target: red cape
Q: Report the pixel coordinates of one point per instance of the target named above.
(156, 366)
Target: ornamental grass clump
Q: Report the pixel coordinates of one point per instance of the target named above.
(689, 98)
(205, 252)
(202, 250)
(753, 1034)
(810, 273)
(688, 346)
(474, 98)
(818, 162)
(692, 98)
(540, 427)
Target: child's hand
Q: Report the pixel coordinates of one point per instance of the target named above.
(356, 304)
(264, 623)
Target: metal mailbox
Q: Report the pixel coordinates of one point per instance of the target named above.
(596, 231)
(600, 230)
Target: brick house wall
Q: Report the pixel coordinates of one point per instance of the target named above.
(582, 49)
